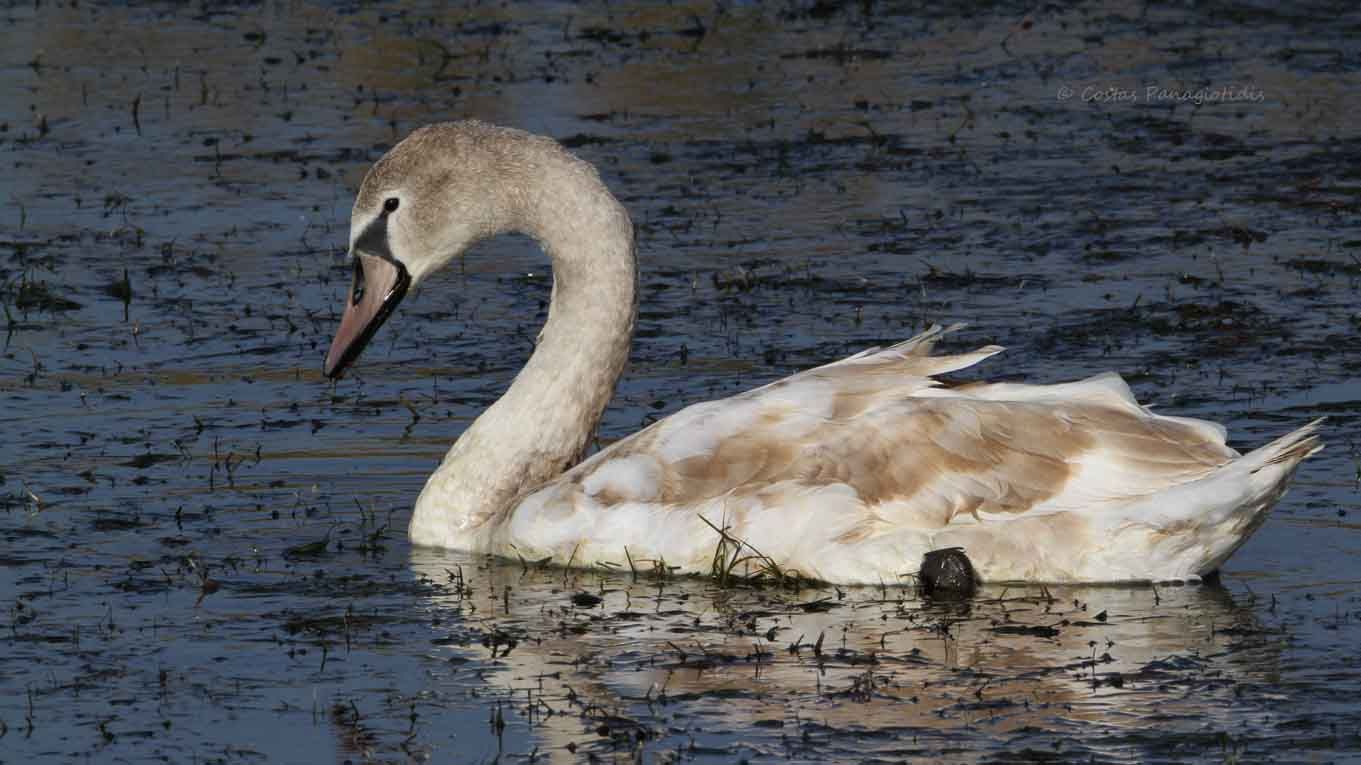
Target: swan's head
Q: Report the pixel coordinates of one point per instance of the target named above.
(426, 201)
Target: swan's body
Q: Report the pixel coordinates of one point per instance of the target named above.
(849, 472)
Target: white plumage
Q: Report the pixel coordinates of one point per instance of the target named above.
(1072, 482)
(849, 472)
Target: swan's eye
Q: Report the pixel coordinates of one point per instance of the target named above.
(390, 204)
(357, 292)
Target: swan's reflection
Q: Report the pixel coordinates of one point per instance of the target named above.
(863, 668)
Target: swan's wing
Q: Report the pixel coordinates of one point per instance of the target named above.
(878, 423)
(873, 445)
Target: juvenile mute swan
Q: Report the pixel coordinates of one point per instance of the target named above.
(849, 472)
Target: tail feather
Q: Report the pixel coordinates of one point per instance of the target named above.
(1288, 450)
(1251, 484)
(1192, 528)
(1269, 470)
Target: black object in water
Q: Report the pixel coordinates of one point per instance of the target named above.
(948, 572)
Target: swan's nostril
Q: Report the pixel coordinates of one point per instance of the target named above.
(357, 292)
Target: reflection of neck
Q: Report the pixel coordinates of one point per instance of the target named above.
(542, 425)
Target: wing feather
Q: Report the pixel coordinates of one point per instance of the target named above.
(913, 453)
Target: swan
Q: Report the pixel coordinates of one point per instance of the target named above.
(846, 473)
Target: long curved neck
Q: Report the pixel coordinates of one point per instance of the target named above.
(545, 420)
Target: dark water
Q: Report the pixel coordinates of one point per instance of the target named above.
(203, 553)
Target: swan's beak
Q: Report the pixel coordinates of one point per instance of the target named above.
(378, 287)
